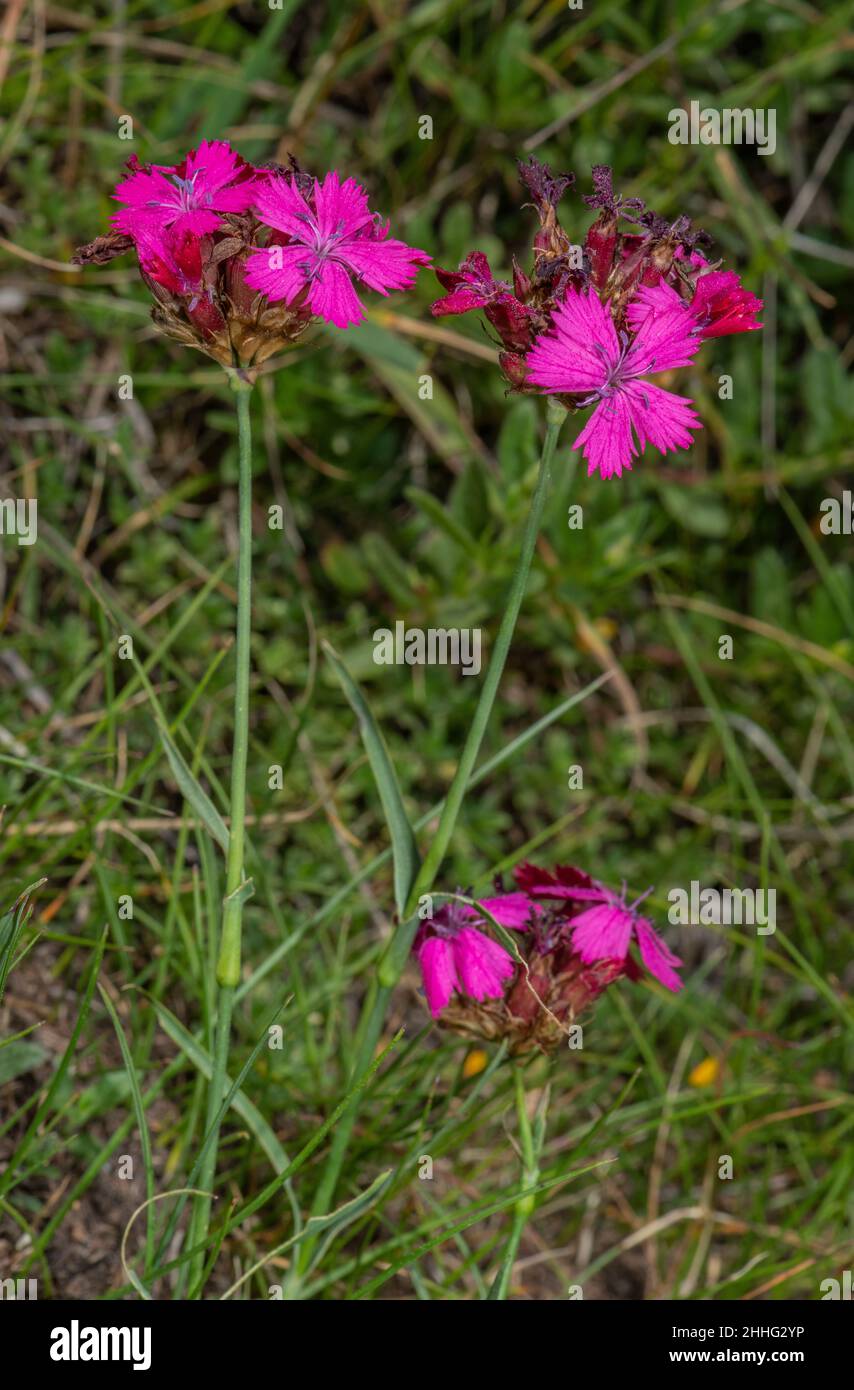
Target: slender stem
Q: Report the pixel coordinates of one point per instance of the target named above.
(453, 803)
(525, 1205)
(394, 958)
(228, 964)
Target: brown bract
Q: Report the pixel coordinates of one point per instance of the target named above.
(547, 997)
(213, 309)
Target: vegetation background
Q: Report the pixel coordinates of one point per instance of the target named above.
(728, 772)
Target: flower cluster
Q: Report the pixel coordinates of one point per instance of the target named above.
(592, 321)
(574, 939)
(240, 260)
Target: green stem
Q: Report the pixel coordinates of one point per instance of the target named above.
(453, 803)
(228, 964)
(395, 956)
(525, 1205)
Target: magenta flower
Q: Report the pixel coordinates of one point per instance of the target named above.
(575, 941)
(186, 197)
(605, 931)
(455, 955)
(175, 263)
(172, 261)
(330, 238)
(720, 305)
(582, 355)
(473, 286)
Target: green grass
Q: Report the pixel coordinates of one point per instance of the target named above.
(735, 773)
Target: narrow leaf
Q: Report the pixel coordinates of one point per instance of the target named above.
(194, 793)
(404, 848)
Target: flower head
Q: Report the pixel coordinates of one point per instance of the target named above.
(719, 305)
(455, 955)
(584, 356)
(574, 327)
(605, 932)
(331, 238)
(188, 197)
(601, 241)
(241, 261)
(575, 940)
(474, 287)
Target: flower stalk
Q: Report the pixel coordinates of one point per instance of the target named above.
(237, 887)
(531, 1142)
(394, 958)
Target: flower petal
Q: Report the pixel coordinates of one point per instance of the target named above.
(341, 207)
(333, 298)
(438, 971)
(512, 910)
(579, 352)
(482, 965)
(602, 933)
(606, 440)
(383, 265)
(280, 272)
(656, 956)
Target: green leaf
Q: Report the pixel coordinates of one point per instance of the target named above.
(330, 1223)
(194, 793)
(699, 513)
(141, 1124)
(469, 499)
(432, 508)
(388, 569)
(12, 924)
(347, 1213)
(770, 597)
(519, 438)
(400, 367)
(19, 1057)
(241, 1104)
(345, 566)
(404, 849)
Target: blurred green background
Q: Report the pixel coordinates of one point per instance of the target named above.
(730, 772)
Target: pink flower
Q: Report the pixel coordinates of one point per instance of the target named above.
(605, 932)
(172, 261)
(720, 306)
(456, 956)
(187, 197)
(565, 882)
(473, 287)
(331, 237)
(583, 356)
